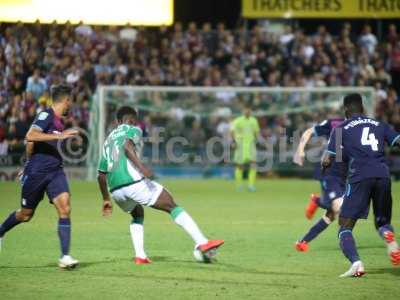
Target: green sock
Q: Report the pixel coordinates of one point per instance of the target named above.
(176, 212)
(137, 220)
(252, 176)
(238, 177)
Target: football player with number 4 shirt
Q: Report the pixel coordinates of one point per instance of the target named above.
(361, 141)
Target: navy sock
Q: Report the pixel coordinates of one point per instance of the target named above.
(385, 228)
(314, 231)
(9, 223)
(64, 234)
(348, 245)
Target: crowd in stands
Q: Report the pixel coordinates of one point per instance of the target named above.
(34, 56)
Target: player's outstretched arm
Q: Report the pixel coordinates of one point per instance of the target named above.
(131, 154)
(298, 157)
(107, 204)
(36, 135)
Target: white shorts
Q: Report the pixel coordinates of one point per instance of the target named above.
(145, 192)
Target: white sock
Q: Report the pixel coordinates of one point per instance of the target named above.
(190, 226)
(137, 239)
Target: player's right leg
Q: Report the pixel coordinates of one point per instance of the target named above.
(238, 159)
(355, 206)
(320, 226)
(239, 177)
(382, 205)
(137, 235)
(166, 203)
(349, 248)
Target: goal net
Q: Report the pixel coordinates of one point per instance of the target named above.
(186, 129)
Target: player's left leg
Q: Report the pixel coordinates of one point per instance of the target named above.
(58, 193)
(239, 177)
(62, 204)
(252, 176)
(15, 218)
(137, 235)
(382, 206)
(32, 193)
(166, 203)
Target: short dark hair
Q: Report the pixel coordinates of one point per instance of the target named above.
(59, 91)
(353, 102)
(124, 111)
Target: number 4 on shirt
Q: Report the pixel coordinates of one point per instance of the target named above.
(368, 139)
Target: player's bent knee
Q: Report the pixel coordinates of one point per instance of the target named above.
(137, 212)
(165, 202)
(25, 215)
(62, 205)
(329, 216)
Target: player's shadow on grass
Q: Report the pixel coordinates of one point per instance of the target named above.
(84, 264)
(170, 259)
(391, 271)
(337, 248)
(224, 267)
(29, 267)
(191, 278)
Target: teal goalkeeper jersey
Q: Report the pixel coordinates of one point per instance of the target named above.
(114, 162)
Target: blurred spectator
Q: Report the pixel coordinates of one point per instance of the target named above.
(21, 126)
(254, 78)
(394, 64)
(33, 57)
(3, 141)
(36, 84)
(368, 40)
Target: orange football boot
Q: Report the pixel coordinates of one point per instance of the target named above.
(142, 261)
(211, 244)
(312, 206)
(301, 246)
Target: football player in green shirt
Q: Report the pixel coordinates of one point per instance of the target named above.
(122, 173)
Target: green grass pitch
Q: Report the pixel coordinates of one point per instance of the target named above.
(258, 260)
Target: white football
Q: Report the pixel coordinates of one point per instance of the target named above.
(204, 257)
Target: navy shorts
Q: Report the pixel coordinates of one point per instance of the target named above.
(35, 185)
(358, 197)
(332, 188)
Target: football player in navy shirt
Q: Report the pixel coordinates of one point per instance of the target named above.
(43, 171)
(360, 140)
(333, 184)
